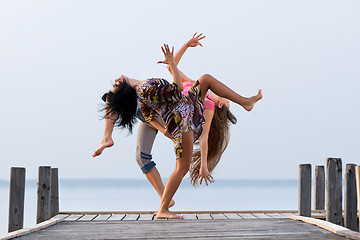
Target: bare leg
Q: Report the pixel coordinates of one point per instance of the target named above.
(106, 140)
(181, 168)
(209, 82)
(154, 178)
(145, 139)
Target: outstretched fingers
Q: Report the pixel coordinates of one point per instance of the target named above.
(206, 179)
(195, 40)
(167, 54)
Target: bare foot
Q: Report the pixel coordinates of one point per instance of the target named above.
(172, 203)
(252, 100)
(105, 143)
(168, 214)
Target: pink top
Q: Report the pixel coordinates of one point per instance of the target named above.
(209, 102)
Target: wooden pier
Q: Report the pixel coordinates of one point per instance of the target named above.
(195, 225)
(302, 223)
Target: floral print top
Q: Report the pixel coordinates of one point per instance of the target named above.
(181, 113)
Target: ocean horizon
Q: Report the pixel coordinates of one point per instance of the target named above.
(138, 195)
(122, 182)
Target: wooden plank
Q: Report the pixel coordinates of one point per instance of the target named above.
(131, 217)
(287, 214)
(319, 188)
(261, 215)
(350, 201)
(334, 228)
(181, 212)
(116, 217)
(145, 217)
(102, 217)
(60, 216)
(232, 216)
(318, 215)
(275, 215)
(27, 231)
(203, 216)
(305, 190)
(16, 199)
(88, 217)
(247, 216)
(186, 229)
(73, 217)
(218, 216)
(189, 216)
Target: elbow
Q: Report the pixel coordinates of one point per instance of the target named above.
(203, 139)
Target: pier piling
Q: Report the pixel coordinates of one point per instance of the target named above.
(54, 188)
(334, 190)
(319, 188)
(16, 199)
(305, 190)
(357, 173)
(350, 201)
(44, 194)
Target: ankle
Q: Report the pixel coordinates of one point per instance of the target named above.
(163, 208)
(106, 138)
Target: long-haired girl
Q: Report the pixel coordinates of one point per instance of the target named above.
(215, 135)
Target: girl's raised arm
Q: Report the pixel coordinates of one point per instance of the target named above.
(169, 59)
(193, 42)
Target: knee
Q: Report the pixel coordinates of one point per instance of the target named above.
(205, 77)
(183, 169)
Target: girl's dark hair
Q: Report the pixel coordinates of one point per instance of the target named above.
(218, 141)
(121, 105)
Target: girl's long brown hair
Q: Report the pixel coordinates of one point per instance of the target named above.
(217, 142)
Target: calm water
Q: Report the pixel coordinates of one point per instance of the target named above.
(118, 195)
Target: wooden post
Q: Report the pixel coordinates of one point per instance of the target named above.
(334, 190)
(350, 209)
(357, 173)
(54, 192)
(305, 190)
(44, 195)
(319, 188)
(16, 199)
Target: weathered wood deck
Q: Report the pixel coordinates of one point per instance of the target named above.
(196, 225)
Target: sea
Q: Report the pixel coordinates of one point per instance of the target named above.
(138, 195)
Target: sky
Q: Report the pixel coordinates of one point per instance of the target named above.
(57, 58)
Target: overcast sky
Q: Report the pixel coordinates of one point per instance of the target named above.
(58, 57)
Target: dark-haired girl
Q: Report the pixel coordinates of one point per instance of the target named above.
(182, 115)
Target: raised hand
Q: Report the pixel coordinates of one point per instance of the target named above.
(169, 55)
(195, 40)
